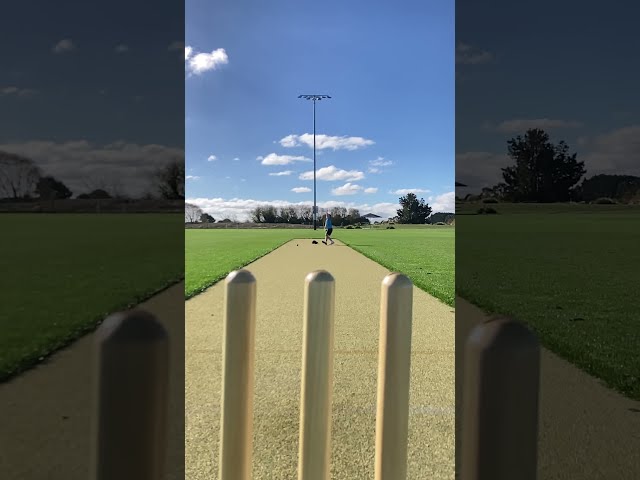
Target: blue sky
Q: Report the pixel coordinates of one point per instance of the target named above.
(568, 70)
(388, 128)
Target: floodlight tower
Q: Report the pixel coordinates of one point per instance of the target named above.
(314, 98)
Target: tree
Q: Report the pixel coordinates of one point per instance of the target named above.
(443, 217)
(206, 218)
(543, 172)
(413, 210)
(619, 187)
(95, 194)
(269, 214)
(305, 214)
(192, 213)
(170, 180)
(18, 176)
(50, 188)
(288, 215)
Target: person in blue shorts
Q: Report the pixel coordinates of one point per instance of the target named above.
(328, 226)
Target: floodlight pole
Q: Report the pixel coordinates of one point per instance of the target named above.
(314, 98)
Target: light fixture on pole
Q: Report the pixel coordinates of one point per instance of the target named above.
(314, 98)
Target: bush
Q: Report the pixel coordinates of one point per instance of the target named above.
(358, 226)
(440, 223)
(486, 211)
(604, 201)
(391, 227)
(349, 227)
(490, 200)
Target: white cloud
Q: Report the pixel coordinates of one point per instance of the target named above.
(371, 190)
(236, 159)
(346, 189)
(614, 152)
(192, 177)
(301, 189)
(479, 169)
(332, 173)
(126, 167)
(281, 174)
(19, 92)
(444, 203)
(63, 46)
(381, 162)
(198, 63)
(377, 163)
(469, 55)
(404, 191)
(240, 208)
(326, 141)
(212, 158)
(122, 48)
(275, 159)
(522, 125)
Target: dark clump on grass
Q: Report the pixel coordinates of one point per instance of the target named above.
(391, 227)
(487, 211)
(604, 201)
(358, 226)
(349, 227)
(490, 200)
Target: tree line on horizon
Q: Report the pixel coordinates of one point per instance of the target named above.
(544, 172)
(412, 211)
(22, 180)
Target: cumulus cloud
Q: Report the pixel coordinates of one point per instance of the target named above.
(64, 46)
(16, 91)
(275, 159)
(404, 191)
(240, 208)
(521, 125)
(470, 55)
(128, 168)
(614, 152)
(444, 203)
(192, 177)
(200, 62)
(301, 189)
(480, 169)
(212, 158)
(326, 141)
(332, 173)
(371, 190)
(236, 159)
(281, 174)
(346, 189)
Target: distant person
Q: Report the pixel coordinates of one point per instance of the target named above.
(328, 226)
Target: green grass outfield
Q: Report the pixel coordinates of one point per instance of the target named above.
(569, 271)
(425, 254)
(62, 274)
